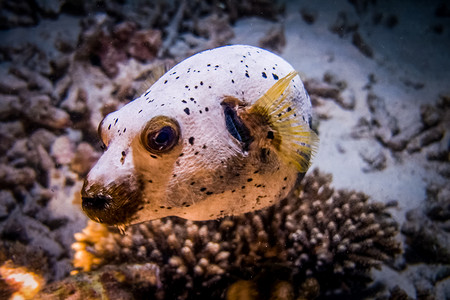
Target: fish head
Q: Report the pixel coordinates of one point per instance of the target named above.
(160, 161)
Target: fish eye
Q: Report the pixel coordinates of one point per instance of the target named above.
(160, 134)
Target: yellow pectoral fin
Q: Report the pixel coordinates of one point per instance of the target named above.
(295, 141)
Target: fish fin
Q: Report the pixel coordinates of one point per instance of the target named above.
(152, 76)
(295, 142)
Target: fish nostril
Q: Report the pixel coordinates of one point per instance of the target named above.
(96, 203)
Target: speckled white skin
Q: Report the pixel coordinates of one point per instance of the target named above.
(207, 175)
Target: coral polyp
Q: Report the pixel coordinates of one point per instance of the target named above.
(315, 235)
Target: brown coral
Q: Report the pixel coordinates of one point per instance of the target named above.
(316, 235)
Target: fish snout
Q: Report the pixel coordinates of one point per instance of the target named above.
(111, 205)
(97, 203)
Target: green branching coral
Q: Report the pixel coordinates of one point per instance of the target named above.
(316, 240)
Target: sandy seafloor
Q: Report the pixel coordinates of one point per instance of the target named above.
(407, 71)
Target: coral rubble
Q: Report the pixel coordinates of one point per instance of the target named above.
(64, 65)
(293, 248)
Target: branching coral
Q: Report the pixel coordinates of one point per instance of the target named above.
(316, 235)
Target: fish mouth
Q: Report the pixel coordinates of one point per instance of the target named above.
(113, 205)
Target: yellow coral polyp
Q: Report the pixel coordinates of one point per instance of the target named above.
(86, 241)
(25, 284)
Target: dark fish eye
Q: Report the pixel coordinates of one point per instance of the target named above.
(160, 134)
(162, 139)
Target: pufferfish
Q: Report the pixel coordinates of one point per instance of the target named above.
(224, 132)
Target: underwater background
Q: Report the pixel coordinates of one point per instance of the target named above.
(371, 219)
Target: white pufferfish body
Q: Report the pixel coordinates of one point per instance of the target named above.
(208, 161)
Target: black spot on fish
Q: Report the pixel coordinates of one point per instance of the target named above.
(208, 65)
(209, 87)
(124, 130)
(151, 181)
(201, 82)
(193, 182)
(196, 87)
(209, 193)
(165, 82)
(289, 109)
(264, 75)
(177, 77)
(246, 75)
(206, 109)
(232, 80)
(153, 156)
(192, 99)
(109, 127)
(186, 110)
(184, 101)
(243, 187)
(140, 111)
(202, 189)
(249, 179)
(270, 135)
(204, 147)
(275, 76)
(146, 93)
(186, 86)
(116, 121)
(191, 140)
(285, 178)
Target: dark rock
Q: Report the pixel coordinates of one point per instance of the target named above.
(431, 115)
(10, 176)
(9, 132)
(10, 106)
(39, 109)
(362, 45)
(426, 228)
(144, 44)
(431, 136)
(34, 80)
(308, 15)
(374, 157)
(386, 124)
(322, 89)
(274, 40)
(11, 84)
(7, 203)
(343, 26)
